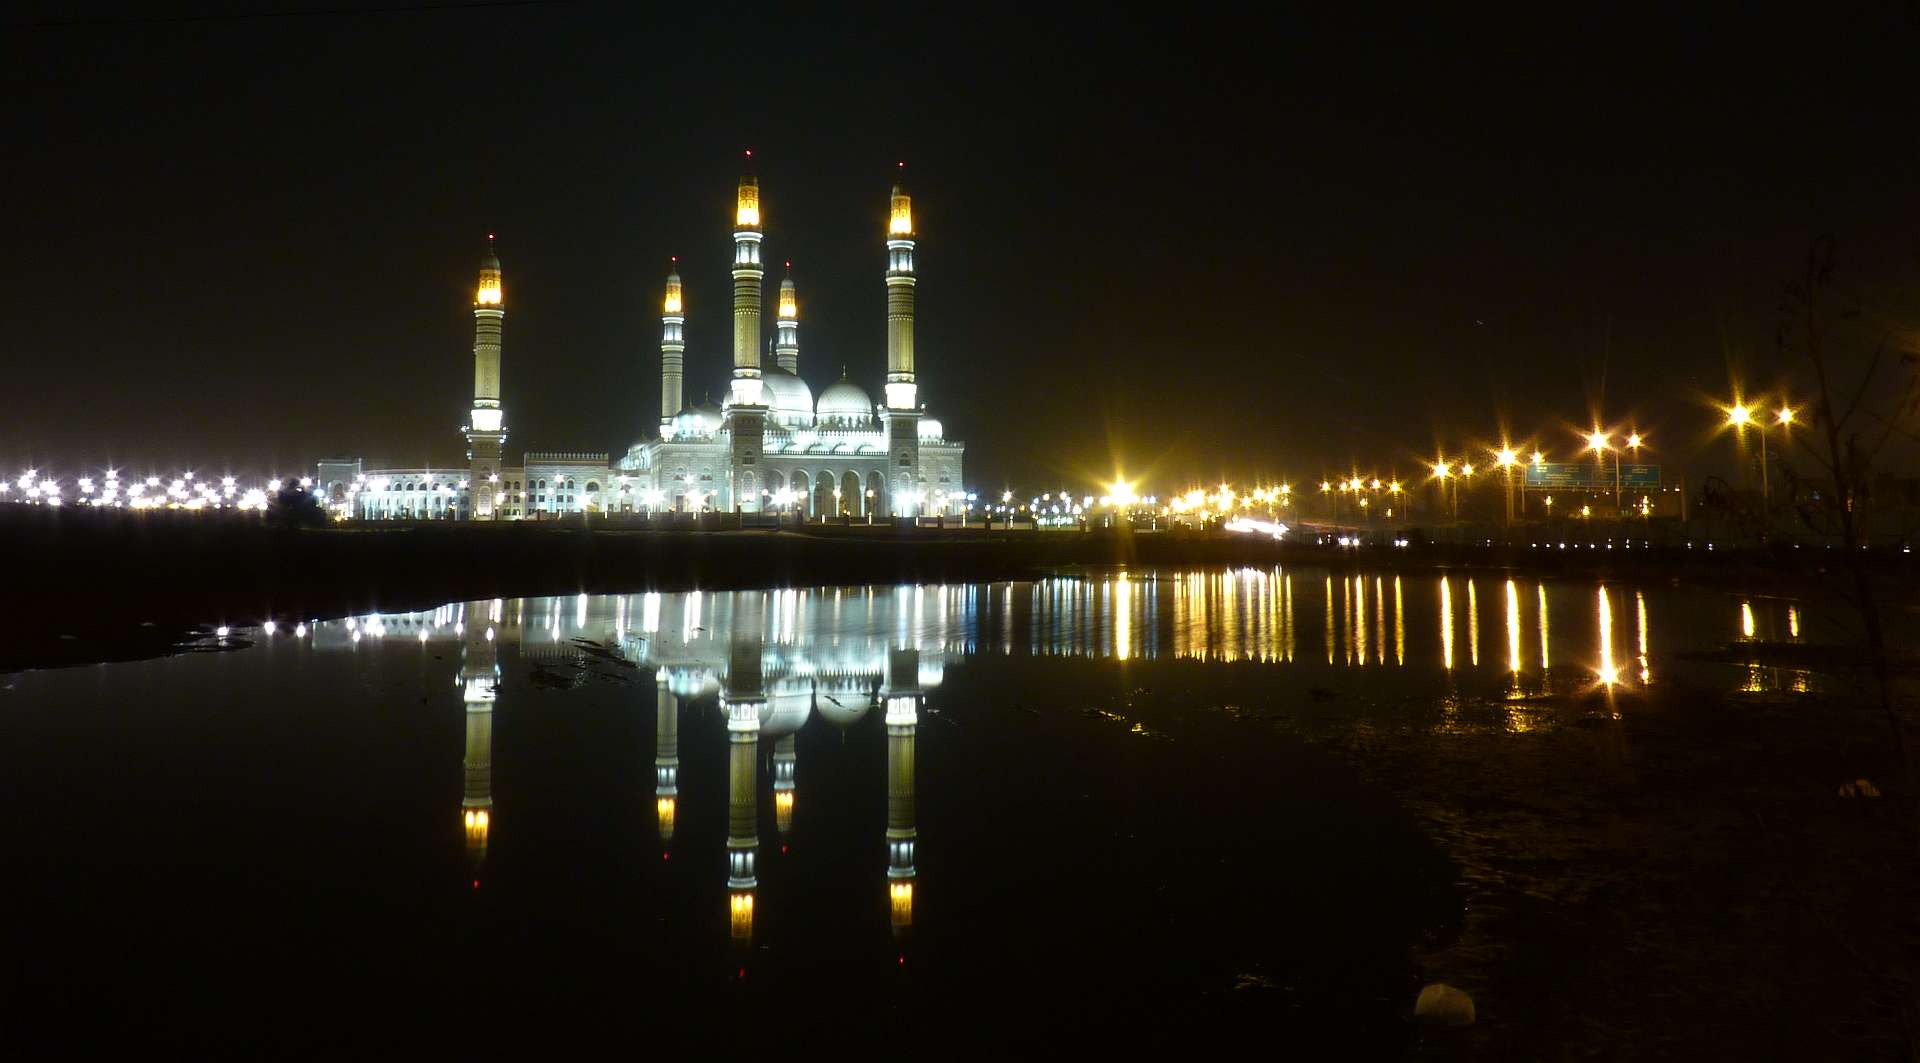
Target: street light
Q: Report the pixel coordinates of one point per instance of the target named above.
(1600, 442)
(1739, 417)
(1506, 458)
(1441, 471)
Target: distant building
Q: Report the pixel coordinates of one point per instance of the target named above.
(768, 446)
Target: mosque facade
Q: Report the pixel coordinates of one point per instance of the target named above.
(769, 446)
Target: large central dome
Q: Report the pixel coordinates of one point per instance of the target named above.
(789, 399)
(845, 405)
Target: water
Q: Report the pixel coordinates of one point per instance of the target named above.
(927, 818)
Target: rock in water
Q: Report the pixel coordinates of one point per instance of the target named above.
(1442, 1004)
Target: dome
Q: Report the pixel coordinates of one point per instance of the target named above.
(845, 404)
(930, 428)
(788, 397)
(696, 422)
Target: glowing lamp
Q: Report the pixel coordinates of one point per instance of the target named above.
(900, 221)
(746, 211)
(488, 293)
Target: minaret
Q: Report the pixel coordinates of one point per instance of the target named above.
(903, 409)
(486, 430)
(747, 276)
(903, 695)
(746, 422)
(479, 674)
(666, 758)
(786, 336)
(673, 350)
(900, 385)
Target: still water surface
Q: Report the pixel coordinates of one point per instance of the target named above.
(928, 818)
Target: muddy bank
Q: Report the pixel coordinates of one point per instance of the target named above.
(1689, 874)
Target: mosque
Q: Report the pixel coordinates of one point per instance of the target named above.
(769, 446)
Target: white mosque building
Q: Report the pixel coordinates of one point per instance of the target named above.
(769, 446)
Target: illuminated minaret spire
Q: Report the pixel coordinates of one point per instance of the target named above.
(786, 337)
(900, 376)
(747, 276)
(673, 348)
(486, 425)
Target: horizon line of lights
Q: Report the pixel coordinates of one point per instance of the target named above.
(187, 491)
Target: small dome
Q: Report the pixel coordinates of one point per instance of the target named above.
(846, 404)
(696, 422)
(787, 395)
(929, 428)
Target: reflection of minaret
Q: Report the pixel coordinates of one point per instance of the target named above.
(784, 763)
(743, 696)
(666, 758)
(479, 675)
(903, 694)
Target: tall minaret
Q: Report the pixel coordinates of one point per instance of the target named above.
(673, 349)
(786, 336)
(900, 385)
(747, 420)
(486, 429)
(903, 409)
(747, 276)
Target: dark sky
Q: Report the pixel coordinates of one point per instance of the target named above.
(1187, 246)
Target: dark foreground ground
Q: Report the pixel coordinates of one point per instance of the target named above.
(1693, 874)
(91, 587)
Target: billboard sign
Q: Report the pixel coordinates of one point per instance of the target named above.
(1591, 476)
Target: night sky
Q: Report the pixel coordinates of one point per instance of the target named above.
(1181, 247)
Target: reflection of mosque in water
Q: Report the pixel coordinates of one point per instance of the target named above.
(773, 660)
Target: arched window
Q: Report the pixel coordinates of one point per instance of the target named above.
(593, 485)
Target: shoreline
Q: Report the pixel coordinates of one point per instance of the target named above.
(91, 590)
